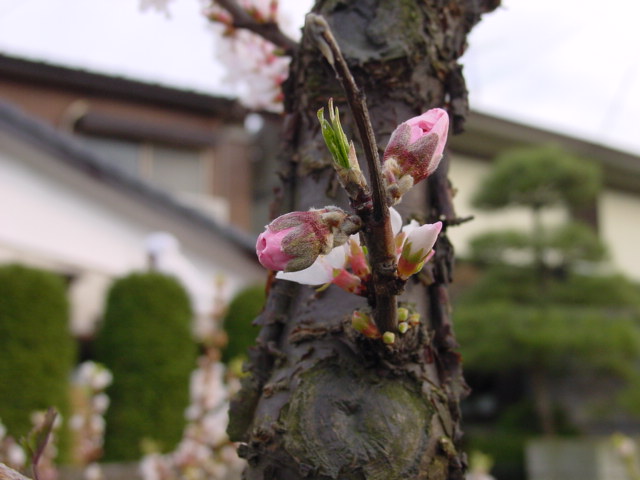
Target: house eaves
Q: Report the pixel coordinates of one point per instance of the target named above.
(65, 149)
(486, 137)
(118, 87)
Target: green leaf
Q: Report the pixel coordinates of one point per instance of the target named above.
(334, 136)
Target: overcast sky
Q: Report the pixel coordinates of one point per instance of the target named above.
(569, 65)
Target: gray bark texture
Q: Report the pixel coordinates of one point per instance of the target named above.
(321, 401)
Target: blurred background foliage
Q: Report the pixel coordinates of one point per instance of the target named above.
(238, 322)
(36, 349)
(543, 309)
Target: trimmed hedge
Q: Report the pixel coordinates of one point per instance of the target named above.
(243, 309)
(146, 343)
(37, 352)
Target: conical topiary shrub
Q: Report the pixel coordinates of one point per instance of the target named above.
(37, 351)
(146, 343)
(238, 322)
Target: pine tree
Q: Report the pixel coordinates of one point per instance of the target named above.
(541, 306)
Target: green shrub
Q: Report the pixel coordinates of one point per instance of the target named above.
(243, 309)
(37, 352)
(146, 343)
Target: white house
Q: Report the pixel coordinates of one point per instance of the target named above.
(66, 209)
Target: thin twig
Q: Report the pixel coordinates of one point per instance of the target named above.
(377, 228)
(331, 51)
(454, 222)
(41, 436)
(268, 30)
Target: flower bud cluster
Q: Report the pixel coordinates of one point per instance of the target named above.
(407, 319)
(363, 323)
(320, 247)
(348, 266)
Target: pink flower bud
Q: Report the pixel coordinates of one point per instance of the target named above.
(347, 281)
(357, 259)
(292, 242)
(415, 150)
(364, 324)
(270, 250)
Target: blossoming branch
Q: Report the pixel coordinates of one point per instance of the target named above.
(328, 246)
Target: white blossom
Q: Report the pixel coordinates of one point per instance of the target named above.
(100, 403)
(77, 421)
(16, 455)
(93, 375)
(161, 6)
(154, 467)
(93, 472)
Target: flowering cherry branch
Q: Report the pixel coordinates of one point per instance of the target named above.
(267, 28)
(377, 226)
(321, 246)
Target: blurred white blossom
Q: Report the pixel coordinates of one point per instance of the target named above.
(93, 376)
(87, 423)
(255, 67)
(11, 453)
(205, 452)
(161, 6)
(16, 455)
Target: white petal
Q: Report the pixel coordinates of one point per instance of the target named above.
(321, 271)
(355, 238)
(424, 237)
(410, 227)
(318, 273)
(336, 258)
(396, 221)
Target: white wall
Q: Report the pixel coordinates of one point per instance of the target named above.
(43, 216)
(619, 215)
(466, 174)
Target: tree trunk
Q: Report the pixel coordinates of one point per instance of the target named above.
(323, 402)
(542, 400)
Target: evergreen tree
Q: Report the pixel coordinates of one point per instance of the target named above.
(541, 306)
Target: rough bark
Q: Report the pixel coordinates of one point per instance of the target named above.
(323, 402)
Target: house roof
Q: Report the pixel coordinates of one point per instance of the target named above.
(487, 136)
(65, 149)
(118, 87)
